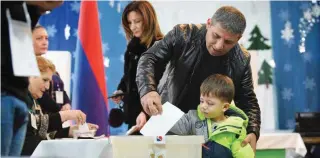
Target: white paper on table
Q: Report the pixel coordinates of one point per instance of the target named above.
(84, 130)
(159, 125)
(84, 127)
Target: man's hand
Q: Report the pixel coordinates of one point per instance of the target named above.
(45, 5)
(151, 103)
(252, 140)
(141, 120)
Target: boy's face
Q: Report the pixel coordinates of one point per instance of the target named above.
(212, 107)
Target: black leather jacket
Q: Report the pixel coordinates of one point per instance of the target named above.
(179, 52)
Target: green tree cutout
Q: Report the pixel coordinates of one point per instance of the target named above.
(265, 74)
(258, 41)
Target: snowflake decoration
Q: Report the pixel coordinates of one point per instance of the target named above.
(75, 33)
(310, 16)
(316, 11)
(287, 94)
(122, 58)
(73, 77)
(121, 31)
(284, 15)
(291, 124)
(67, 32)
(287, 67)
(106, 62)
(51, 30)
(307, 15)
(111, 3)
(105, 47)
(74, 54)
(100, 15)
(287, 32)
(75, 6)
(309, 83)
(119, 7)
(307, 57)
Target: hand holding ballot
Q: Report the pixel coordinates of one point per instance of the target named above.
(151, 103)
(160, 125)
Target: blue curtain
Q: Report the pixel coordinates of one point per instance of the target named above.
(297, 75)
(66, 17)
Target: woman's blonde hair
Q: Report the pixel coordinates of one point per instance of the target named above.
(45, 64)
(151, 28)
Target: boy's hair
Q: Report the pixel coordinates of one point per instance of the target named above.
(219, 86)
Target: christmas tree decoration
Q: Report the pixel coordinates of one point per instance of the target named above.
(310, 17)
(265, 74)
(257, 39)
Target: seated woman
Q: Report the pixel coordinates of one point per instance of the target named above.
(56, 98)
(41, 124)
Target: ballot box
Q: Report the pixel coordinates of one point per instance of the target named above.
(156, 147)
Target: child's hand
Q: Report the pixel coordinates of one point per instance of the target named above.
(141, 120)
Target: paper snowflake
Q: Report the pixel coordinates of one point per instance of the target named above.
(287, 32)
(119, 7)
(121, 31)
(75, 33)
(111, 3)
(287, 67)
(307, 57)
(287, 94)
(284, 15)
(122, 58)
(316, 11)
(75, 6)
(51, 30)
(307, 15)
(100, 15)
(105, 47)
(309, 83)
(291, 124)
(67, 32)
(106, 62)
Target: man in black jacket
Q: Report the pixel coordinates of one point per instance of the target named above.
(190, 54)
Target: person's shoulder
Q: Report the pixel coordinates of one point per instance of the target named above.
(241, 54)
(189, 31)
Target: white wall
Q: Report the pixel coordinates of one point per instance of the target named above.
(62, 61)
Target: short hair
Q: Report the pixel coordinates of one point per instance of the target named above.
(151, 28)
(219, 86)
(38, 27)
(45, 64)
(230, 18)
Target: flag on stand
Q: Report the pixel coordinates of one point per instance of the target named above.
(89, 89)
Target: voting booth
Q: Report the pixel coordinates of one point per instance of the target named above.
(156, 147)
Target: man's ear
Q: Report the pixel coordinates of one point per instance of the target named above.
(208, 23)
(226, 107)
(239, 37)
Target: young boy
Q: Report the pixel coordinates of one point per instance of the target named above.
(222, 124)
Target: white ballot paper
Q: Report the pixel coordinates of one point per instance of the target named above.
(159, 125)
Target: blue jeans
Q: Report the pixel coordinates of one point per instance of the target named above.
(14, 121)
